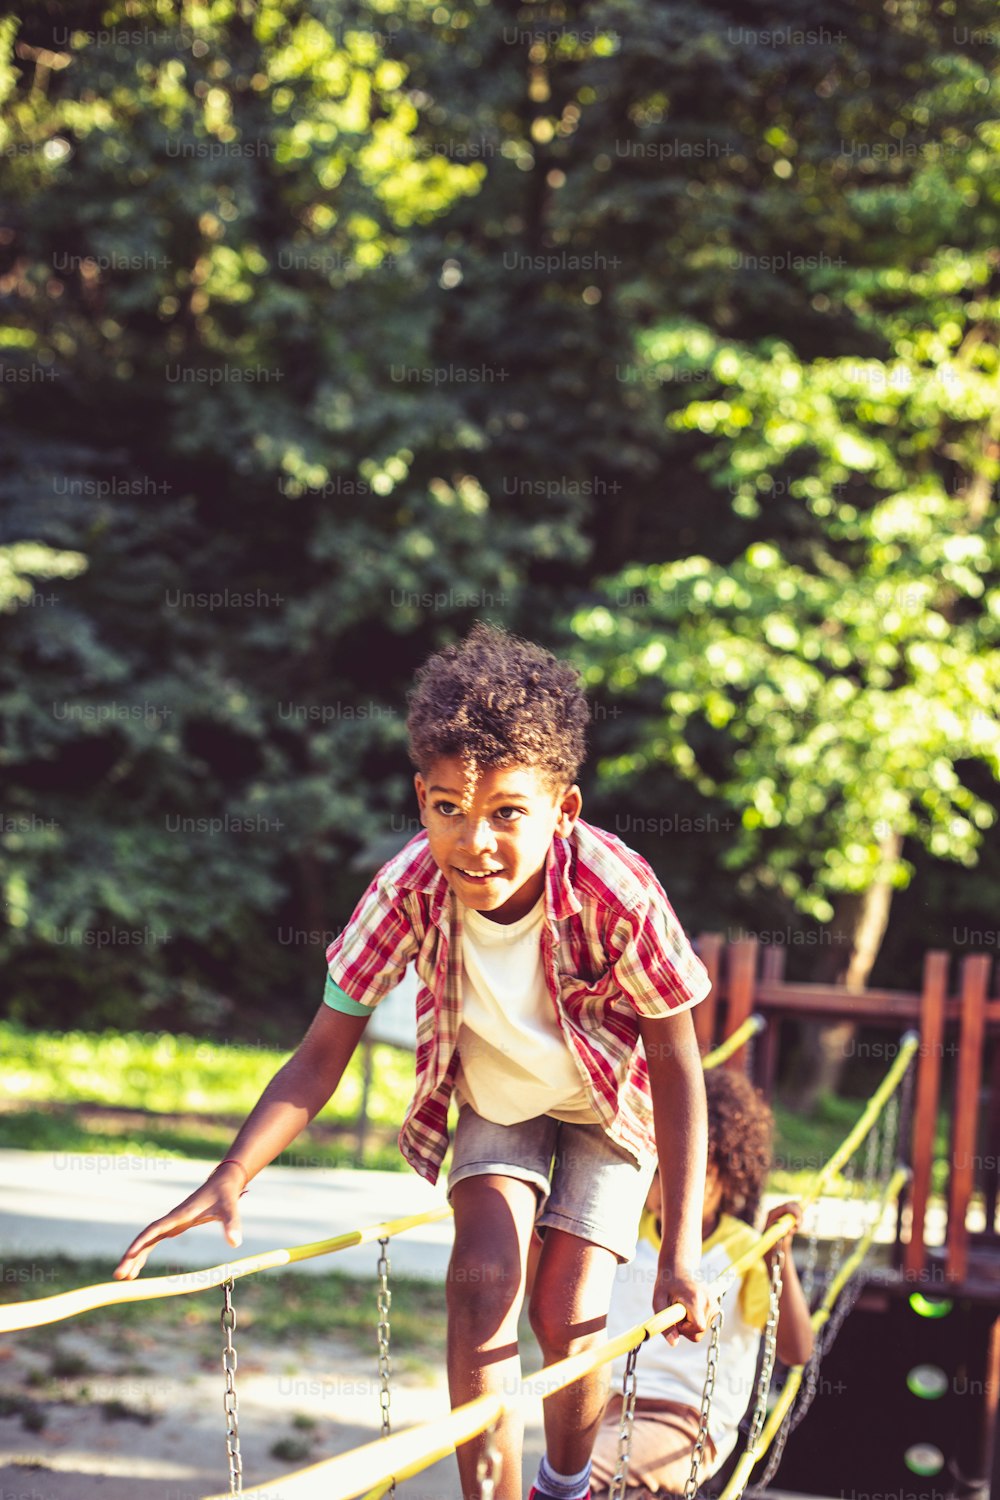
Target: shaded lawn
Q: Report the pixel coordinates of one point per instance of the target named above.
(141, 1093)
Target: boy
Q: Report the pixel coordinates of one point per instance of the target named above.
(555, 989)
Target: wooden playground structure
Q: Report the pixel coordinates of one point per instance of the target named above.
(917, 1365)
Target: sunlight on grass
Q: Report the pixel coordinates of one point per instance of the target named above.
(52, 1077)
(179, 1074)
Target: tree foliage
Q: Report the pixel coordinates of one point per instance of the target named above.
(327, 328)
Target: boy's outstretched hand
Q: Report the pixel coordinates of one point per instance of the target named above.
(689, 1287)
(218, 1198)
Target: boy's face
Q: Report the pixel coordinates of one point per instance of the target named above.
(489, 831)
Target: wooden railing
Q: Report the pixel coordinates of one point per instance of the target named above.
(748, 976)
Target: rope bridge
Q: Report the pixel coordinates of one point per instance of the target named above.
(373, 1469)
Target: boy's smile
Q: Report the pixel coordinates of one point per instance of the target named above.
(490, 829)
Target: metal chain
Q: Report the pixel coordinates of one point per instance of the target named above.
(811, 1256)
(489, 1466)
(228, 1320)
(895, 1115)
(845, 1303)
(708, 1389)
(770, 1349)
(775, 1453)
(837, 1253)
(751, 1055)
(629, 1388)
(384, 1302)
(810, 1380)
(889, 1139)
(872, 1154)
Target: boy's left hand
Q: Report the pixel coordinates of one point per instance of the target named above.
(675, 1284)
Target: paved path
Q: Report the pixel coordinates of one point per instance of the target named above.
(55, 1203)
(61, 1203)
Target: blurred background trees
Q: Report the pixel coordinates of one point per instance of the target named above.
(664, 334)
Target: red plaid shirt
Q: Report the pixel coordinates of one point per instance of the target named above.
(612, 950)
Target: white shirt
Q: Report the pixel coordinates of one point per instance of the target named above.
(514, 1062)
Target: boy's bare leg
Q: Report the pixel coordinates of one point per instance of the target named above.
(569, 1313)
(493, 1222)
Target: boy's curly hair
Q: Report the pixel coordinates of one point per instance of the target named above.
(740, 1129)
(497, 700)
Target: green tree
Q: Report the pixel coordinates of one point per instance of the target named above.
(363, 313)
(836, 681)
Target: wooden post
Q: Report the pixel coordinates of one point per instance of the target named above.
(992, 1188)
(709, 947)
(741, 963)
(925, 1106)
(975, 981)
(772, 971)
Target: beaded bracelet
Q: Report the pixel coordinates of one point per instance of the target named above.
(237, 1163)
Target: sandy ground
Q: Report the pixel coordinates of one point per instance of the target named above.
(146, 1421)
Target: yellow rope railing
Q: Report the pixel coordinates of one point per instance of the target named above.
(42, 1310)
(907, 1047)
(724, 1051)
(15, 1316)
(366, 1470)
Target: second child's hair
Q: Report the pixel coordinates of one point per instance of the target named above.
(740, 1132)
(497, 700)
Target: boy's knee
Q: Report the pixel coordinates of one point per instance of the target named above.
(556, 1335)
(482, 1289)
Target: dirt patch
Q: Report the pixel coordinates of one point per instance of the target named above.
(138, 1415)
(127, 1403)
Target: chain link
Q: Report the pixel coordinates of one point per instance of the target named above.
(629, 1390)
(708, 1389)
(384, 1302)
(489, 1466)
(889, 1139)
(770, 1350)
(810, 1378)
(872, 1154)
(843, 1205)
(228, 1321)
(870, 1196)
(895, 1116)
(811, 1256)
(775, 1454)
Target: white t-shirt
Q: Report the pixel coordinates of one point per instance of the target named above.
(678, 1373)
(514, 1062)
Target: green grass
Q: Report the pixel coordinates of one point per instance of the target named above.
(178, 1074)
(804, 1144)
(74, 1091)
(62, 1089)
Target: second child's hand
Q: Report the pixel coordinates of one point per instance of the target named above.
(217, 1198)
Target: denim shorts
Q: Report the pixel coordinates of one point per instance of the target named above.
(587, 1184)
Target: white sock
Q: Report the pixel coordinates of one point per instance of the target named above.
(562, 1486)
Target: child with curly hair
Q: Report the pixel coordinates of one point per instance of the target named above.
(670, 1380)
(553, 1005)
